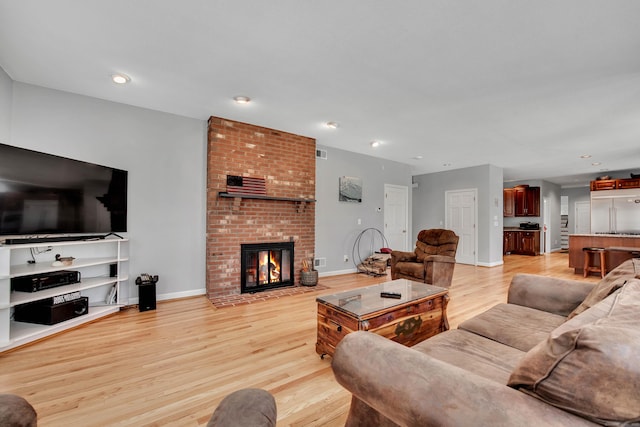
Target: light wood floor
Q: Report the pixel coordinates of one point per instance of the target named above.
(172, 366)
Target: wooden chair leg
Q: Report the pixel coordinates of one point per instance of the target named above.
(586, 263)
(603, 264)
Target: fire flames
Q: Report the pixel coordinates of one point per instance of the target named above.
(269, 267)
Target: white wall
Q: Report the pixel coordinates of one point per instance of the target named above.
(166, 158)
(165, 155)
(337, 222)
(6, 99)
(429, 205)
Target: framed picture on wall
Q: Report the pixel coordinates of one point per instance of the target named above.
(350, 189)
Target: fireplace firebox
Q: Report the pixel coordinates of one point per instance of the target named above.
(266, 266)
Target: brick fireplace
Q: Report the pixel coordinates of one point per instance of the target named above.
(286, 213)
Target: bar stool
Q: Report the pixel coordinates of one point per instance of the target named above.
(588, 267)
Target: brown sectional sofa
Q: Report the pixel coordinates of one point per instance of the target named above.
(559, 352)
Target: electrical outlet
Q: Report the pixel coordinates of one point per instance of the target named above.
(346, 258)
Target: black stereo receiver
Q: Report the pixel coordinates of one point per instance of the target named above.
(38, 282)
(48, 312)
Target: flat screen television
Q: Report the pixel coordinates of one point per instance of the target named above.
(42, 195)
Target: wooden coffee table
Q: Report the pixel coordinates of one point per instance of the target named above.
(420, 313)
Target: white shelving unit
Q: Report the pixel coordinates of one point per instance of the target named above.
(93, 259)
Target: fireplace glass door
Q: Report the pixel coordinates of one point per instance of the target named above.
(266, 266)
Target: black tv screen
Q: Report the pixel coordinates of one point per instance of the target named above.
(42, 194)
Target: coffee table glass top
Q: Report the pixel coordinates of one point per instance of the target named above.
(367, 300)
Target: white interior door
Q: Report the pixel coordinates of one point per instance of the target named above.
(461, 213)
(396, 216)
(546, 227)
(582, 218)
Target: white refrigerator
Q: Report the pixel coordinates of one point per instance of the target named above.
(615, 211)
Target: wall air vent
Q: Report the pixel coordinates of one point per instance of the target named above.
(321, 154)
(319, 262)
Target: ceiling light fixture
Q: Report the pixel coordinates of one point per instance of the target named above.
(375, 144)
(332, 125)
(446, 165)
(242, 99)
(120, 78)
(585, 156)
(596, 164)
(418, 157)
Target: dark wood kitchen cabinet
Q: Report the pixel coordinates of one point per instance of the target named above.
(527, 201)
(530, 242)
(604, 184)
(615, 184)
(509, 202)
(521, 242)
(509, 245)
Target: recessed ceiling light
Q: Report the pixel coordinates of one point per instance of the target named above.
(242, 99)
(418, 157)
(596, 164)
(332, 125)
(376, 144)
(585, 156)
(446, 165)
(120, 78)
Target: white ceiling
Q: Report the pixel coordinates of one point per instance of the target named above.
(527, 85)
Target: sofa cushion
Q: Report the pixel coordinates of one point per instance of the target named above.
(589, 365)
(514, 325)
(473, 353)
(550, 294)
(410, 270)
(609, 284)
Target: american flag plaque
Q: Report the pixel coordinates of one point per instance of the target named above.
(246, 185)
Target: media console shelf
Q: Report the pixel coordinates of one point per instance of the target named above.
(103, 265)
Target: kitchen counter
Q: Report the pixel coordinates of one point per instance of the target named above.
(633, 236)
(621, 248)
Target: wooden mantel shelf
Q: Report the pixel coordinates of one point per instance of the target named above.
(257, 196)
(302, 203)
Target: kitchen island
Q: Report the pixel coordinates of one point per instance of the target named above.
(620, 247)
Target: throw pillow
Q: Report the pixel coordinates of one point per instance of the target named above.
(609, 284)
(603, 289)
(589, 365)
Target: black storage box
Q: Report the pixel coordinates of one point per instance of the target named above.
(45, 312)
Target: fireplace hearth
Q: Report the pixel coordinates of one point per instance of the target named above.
(266, 266)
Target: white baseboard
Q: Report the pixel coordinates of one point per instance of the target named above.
(337, 272)
(490, 264)
(173, 295)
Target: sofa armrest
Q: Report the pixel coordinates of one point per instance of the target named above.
(413, 389)
(401, 256)
(440, 258)
(550, 294)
